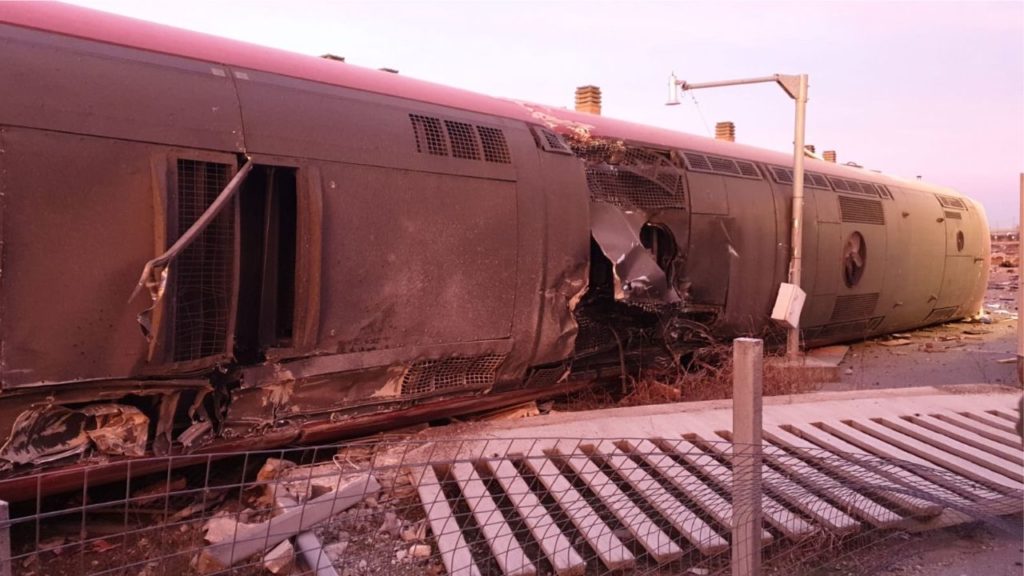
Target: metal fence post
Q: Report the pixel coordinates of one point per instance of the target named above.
(747, 357)
(5, 540)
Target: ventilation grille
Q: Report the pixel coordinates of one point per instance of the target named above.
(495, 145)
(429, 135)
(546, 377)
(467, 141)
(861, 210)
(203, 273)
(628, 187)
(844, 330)
(811, 179)
(450, 374)
(854, 307)
(718, 165)
(941, 314)
(464, 141)
(951, 202)
(855, 187)
(953, 215)
(550, 142)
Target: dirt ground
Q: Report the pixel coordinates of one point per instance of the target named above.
(956, 353)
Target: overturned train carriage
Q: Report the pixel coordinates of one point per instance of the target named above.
(385, 244)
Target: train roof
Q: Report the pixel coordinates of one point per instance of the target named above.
(84, 23)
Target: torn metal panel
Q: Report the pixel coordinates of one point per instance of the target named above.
(117, 430)
(49, 433)
(43, 435)
(638, 278)
(165, 423)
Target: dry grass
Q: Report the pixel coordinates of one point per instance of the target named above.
(705, 375)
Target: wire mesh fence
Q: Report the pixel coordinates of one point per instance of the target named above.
(490, 506)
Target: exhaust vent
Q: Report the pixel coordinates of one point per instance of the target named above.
(844, 330)
(429, 135)
(951, 202)
(451, 374)
(463, 139)
(861, 210)
(696, 162)
(495, 145)
(941, 314)
(467, 141)
(854, 307)
(811, 179)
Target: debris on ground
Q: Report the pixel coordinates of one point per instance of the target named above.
(524, 410)
(280, 559)
(896, 342)
(296, 509)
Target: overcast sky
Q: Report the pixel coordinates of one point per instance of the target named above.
(911, 88)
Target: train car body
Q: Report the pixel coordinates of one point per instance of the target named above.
(393, 243)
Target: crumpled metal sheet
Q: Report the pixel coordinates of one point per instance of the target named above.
(48, 433)
(45, 434)
(638, 278)
(116, 429)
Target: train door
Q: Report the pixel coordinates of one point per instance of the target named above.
(960, 271)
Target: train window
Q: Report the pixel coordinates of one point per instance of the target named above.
(960, 241)
(855, 253)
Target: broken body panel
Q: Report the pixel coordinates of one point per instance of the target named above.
(392, 243)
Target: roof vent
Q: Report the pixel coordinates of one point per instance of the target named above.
(588, 100)
(725, 131)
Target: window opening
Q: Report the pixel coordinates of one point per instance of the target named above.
(266, 298)
(660, 243)
(855, 253)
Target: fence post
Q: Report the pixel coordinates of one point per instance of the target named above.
(5, 540)
(747, 358)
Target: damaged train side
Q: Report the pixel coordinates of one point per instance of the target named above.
(323, 243)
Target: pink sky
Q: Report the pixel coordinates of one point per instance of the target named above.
(910, 88)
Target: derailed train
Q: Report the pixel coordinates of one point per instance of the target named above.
(385, 244)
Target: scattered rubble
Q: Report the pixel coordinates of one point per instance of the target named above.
(280, 559)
